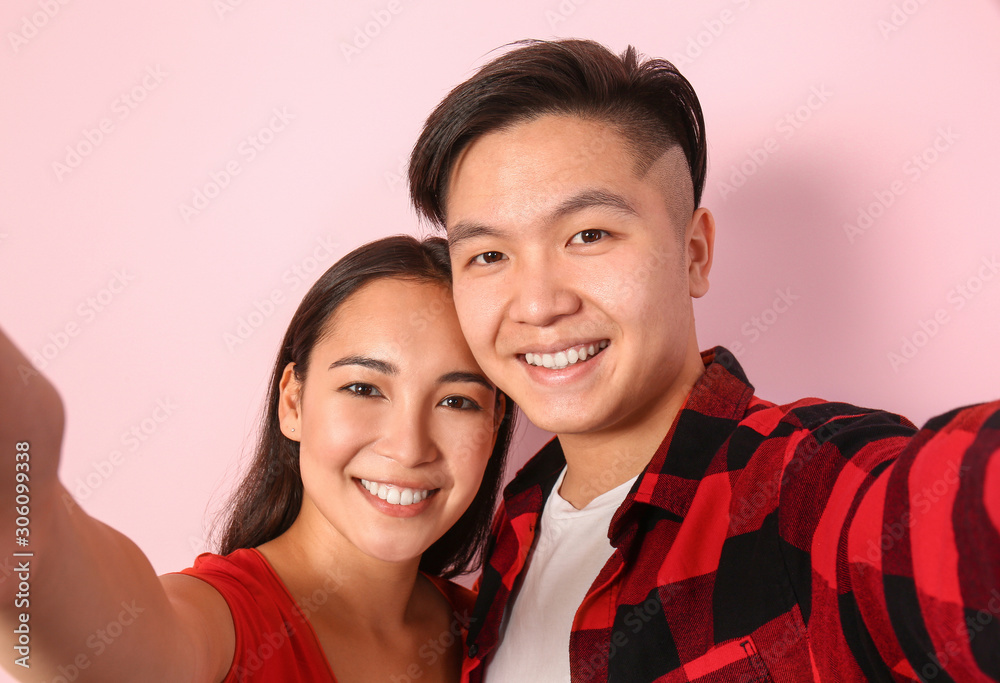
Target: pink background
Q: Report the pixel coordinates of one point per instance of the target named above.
(823, 105)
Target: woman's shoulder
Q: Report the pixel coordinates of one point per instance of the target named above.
(247, 582)
(272, 633)
(241, 563)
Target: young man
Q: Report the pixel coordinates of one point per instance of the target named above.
(679, 528)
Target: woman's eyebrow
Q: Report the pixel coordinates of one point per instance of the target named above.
(459, 376)
(385, 367)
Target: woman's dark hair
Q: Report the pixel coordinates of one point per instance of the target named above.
(648, 102)
(268, 499)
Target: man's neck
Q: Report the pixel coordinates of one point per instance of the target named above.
(601, 461)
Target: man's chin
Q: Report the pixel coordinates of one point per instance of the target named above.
(562, 422)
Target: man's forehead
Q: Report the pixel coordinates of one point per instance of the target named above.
(557, 157)
(585, 139)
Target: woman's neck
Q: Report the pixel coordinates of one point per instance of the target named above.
(330, 578)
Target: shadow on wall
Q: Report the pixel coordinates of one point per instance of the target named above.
(792, 297)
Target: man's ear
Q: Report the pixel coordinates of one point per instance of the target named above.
(289, 404)
(699, 241)
(498, 412)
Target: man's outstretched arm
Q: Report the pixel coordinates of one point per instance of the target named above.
(923, 552)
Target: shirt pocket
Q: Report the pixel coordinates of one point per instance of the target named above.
(736, 661)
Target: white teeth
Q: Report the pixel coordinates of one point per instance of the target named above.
(394, 495)
(563, 359)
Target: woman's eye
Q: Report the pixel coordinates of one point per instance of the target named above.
(488, 257)
(362, 389)
(460, 403)
(588, 236)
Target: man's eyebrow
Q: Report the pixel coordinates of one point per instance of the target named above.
(382, 366)
(459, 376)
(593, 199)
(467, 230)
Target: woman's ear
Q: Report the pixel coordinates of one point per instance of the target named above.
(289, 404)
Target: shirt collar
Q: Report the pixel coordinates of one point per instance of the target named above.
(711, 412)
(713, 408)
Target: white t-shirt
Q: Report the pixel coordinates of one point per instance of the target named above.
(570, 551)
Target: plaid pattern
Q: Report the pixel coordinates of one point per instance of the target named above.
(810, 541)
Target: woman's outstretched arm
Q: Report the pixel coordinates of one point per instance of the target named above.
(77, 598)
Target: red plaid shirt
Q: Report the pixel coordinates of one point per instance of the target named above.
(810, 541)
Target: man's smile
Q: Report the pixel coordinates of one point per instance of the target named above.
(558, 359)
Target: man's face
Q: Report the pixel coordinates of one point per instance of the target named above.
(574, 274)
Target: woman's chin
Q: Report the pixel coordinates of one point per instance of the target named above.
(394, 553)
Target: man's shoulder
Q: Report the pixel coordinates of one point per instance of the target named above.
(847, 426)
(800, 459)
(793, 434)
(816, 414)
(725, 391)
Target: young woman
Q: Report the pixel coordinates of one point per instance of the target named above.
(378, 464)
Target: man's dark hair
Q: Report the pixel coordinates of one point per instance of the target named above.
(647, 101)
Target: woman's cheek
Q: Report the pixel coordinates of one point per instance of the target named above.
(474, 444)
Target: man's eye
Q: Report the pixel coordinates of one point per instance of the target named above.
(489, 257)
(459, 403)
(361, 389)
(588, 236)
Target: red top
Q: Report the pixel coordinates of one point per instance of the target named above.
(274, 639)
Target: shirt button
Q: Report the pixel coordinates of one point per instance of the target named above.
(473, 649)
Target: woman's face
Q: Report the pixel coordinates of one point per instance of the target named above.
(395, 420)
